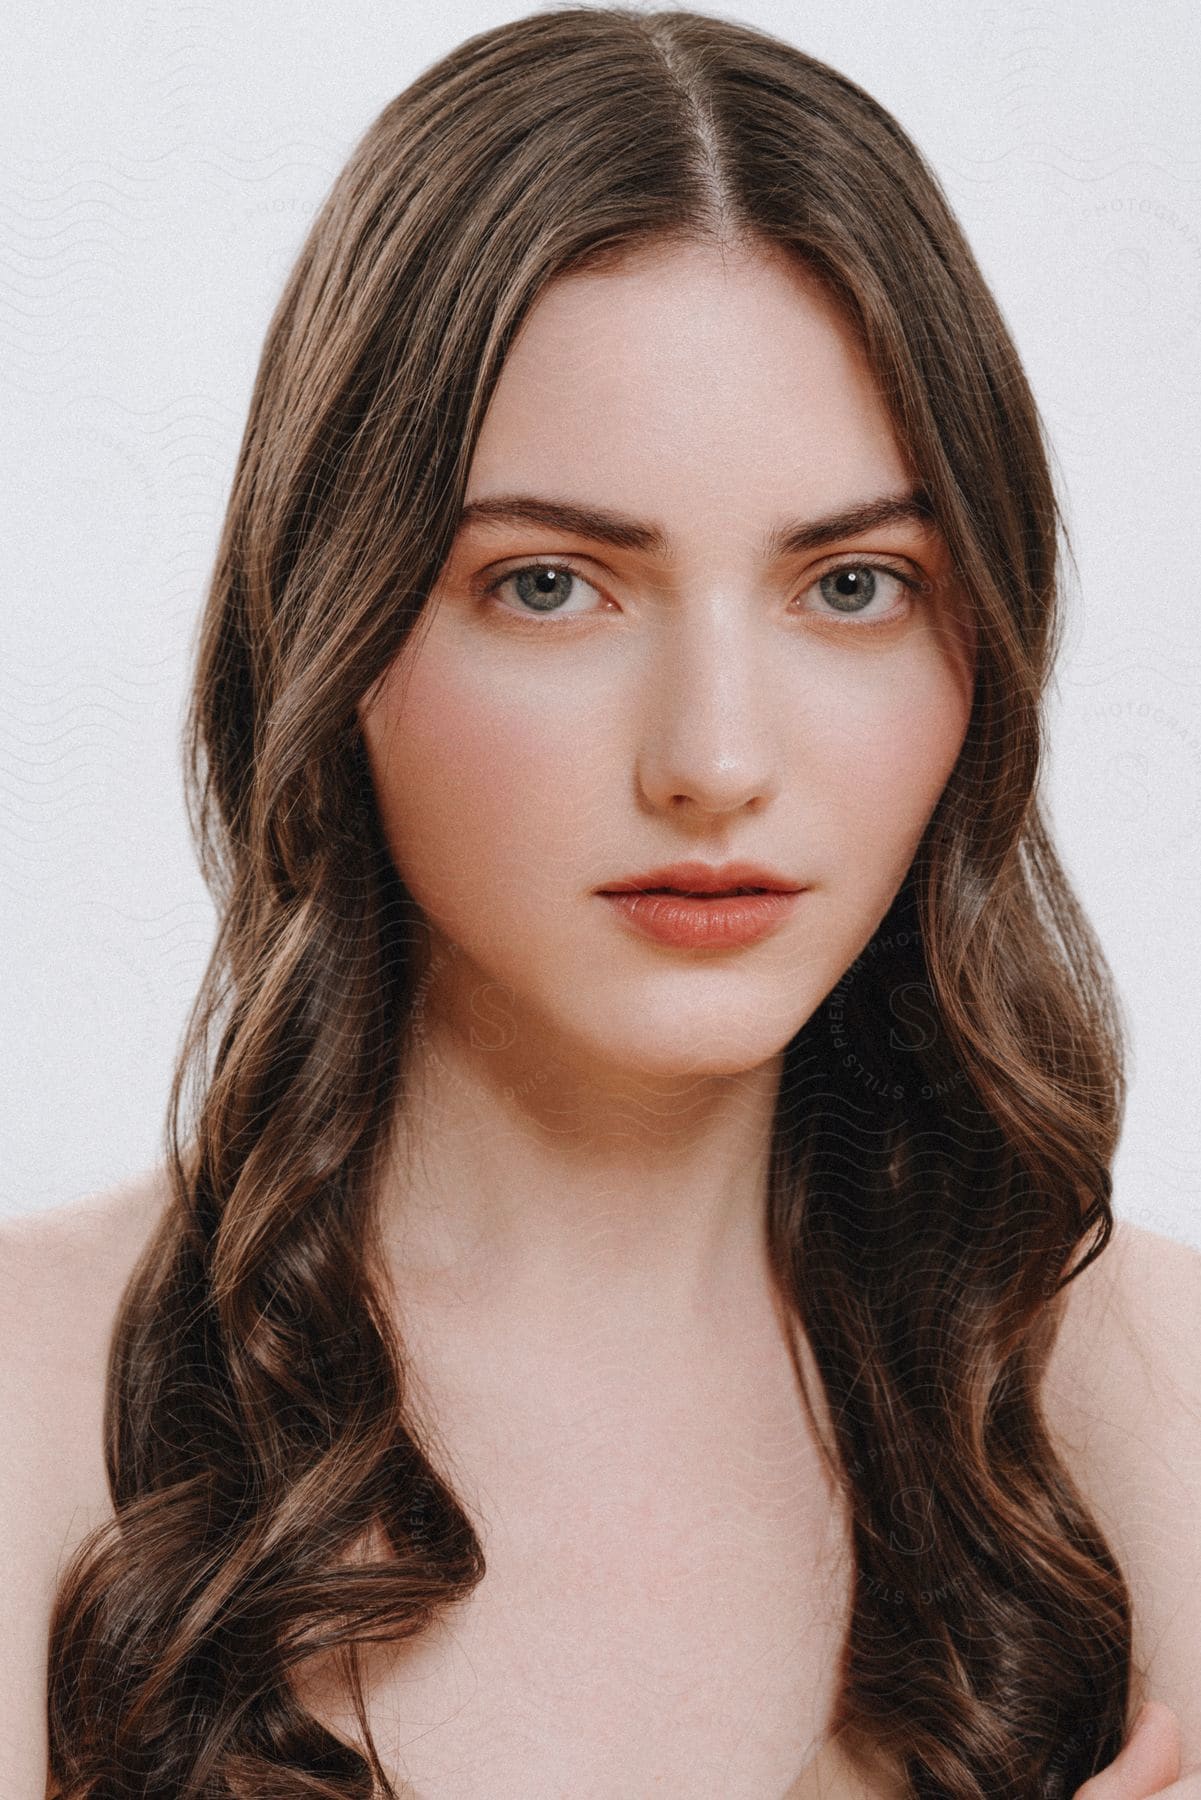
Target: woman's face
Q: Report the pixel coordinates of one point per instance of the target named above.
(681, 690)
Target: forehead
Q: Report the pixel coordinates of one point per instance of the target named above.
(727, 382)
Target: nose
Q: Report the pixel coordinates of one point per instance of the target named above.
(706, 743)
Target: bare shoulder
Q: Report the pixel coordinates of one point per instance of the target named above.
(1129, 1330)
(62, 1274)
(1122, 1400)
(104, 1229)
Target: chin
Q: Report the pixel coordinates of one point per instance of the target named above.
(690, 1054)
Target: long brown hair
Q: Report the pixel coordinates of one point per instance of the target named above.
(947, 1116)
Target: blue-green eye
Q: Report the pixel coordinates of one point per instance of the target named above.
(850, 589)
(544, 589)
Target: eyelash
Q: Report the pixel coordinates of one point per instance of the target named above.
(564, 566)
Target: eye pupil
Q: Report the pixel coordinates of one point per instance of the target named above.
(858, 584)
(540, 582)
(848, 590)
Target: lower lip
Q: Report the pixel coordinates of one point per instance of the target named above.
(689, 924)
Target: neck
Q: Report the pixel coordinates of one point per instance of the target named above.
(528, 1183)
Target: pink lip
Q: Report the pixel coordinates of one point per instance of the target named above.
(692, 924)
(704, 878)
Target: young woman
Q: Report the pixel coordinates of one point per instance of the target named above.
(634, 1306)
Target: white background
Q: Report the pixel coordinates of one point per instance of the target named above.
(159, 165)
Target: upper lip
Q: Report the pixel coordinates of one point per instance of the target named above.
(704, 878)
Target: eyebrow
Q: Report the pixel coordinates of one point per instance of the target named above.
(609, 527)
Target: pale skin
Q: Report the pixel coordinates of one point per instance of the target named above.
(576, 1238)
(588, 1114)
(583, 1192)
(598, 1107)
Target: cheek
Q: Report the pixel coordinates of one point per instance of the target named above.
(487, 782)
(471, 777)
(886, 757)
